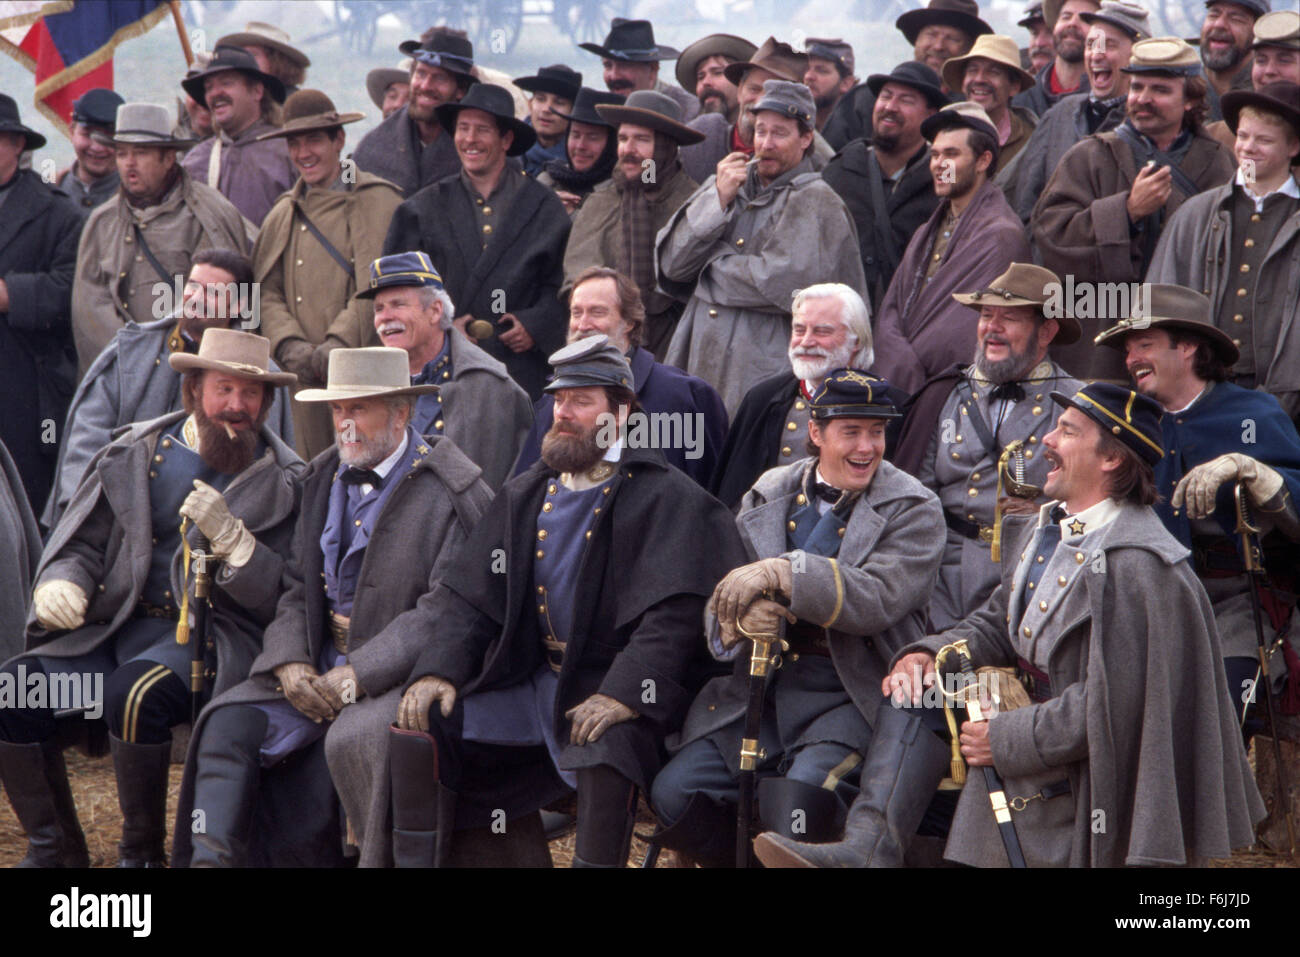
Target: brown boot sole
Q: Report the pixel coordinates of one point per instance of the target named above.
(776, 855)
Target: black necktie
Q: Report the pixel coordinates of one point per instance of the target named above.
(827, 493)
(356, 476)
(1011, 391)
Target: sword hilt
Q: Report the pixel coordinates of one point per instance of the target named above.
(1251, 555)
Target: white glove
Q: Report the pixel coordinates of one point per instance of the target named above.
(59, 605)
(230, 539)
(1199, 487)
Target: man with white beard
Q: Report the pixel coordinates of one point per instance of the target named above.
(831, 329)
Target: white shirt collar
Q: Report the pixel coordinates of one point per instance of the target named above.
(387, 465)
(1085, 522)
(1289, 188)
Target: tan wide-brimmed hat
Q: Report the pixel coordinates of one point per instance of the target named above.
(1024, 284)
(1001, 50)
(244, 354)
(143, 124)
(367, 373)
(266, 35)
(309, 110)
(715, 44)
(1163, 305)
(380, 79)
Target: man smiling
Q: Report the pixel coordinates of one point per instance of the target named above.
(93, 177)
(553, 90)
(989, 76)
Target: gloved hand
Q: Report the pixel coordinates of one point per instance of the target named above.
(230, 539)
(413, 712)
(593, 716)
(742, 585)
(295, 679)
(339, 687)
(320, 359)
(60, 605)
(1198, 488)
(762, 617)
(295, 355)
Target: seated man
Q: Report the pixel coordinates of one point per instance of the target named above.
(1128, 753)
(383, 511)
(844, 547)
(114, 573)
(519, 695)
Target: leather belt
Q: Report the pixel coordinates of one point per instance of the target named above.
(340, 626)
(145, 610)
(1216, 558)
(972, 530)
(1036, 682)
(805, 638)
(1046, 793)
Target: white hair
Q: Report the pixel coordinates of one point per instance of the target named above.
(428, 295)
(854, 313)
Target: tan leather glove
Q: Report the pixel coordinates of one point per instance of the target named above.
(230, 539)
(60, 605)
(1200, 486)
(762, 617)
(295, 355)
(413, 712)
(741, 586)
(593, 716)
(295, 679)
(339, 687)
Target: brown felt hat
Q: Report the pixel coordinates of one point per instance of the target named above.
(653, 110)
(309, 110)
(776, 57)
(1172, 307)
(733, 48)
(266, 35)
(1024, 284)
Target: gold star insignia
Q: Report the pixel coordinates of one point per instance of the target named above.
(1076, 527)
(422, 449)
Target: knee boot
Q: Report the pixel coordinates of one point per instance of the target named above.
(227, 774)
(705, 834)
(799, 811)
(606, 813)
(902, 770)
(141, 771)
(424, 809)
(36, 780)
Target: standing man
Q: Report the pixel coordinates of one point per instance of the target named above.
(591, 151)
(968, 240)
(553, 90)
(829, 74)
(143, 240)
(113, 591)
(389, 88)
(38, 254)
(989, 76)
(474, 401)
(92, 178)
(581, 655)
(314, 251)
(1103, 210)
(617, 225)
(630, 58)
(746, 240)
(384, 512)
(270, 47)
(1065, 74)
(885, 180)
(1227, 33)
(238, 160)
(1041, 50)
(496, 236)
(1240, 244)
(942, 30)
(410, 148)
(1276, 49)
(701, 71)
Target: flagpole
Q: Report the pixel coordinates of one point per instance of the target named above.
(180, 29)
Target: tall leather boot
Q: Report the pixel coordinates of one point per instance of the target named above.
(902, 770)
(227, 774)
(802, 812)
(705, 834)
(606, 814)
(424, 809)
(142, 795)
(36, 780)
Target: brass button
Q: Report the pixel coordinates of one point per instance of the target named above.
(487, 210)
(1254, 217)
(550, 489)
(1042, 606)
(540, 553)
(740, 242)
(167, 443)
(1037, 410)
(167, 594)
(1241, 292)
(153, 474)
(1039, 559)
(800, 405)
(1078, 558)
(1236, 342)
(541, 534)
(1060, 580)
(446, 376)
(438, 425)
(487, 229)
(1033, 440)
(841, 533)
(956, 455)
(973, 492)
(713, 313)
(596, 510)
(794, 656)
(1249, 243)
(540, 590)
(1238, 318)
(1029, 454)
(791, 525)
(299, 299)
(956, 438)
(970, 516)
(801, 499)
(605, 491)
(547, 507)
(357, 523)
(1027, 632)
(541, 609)
(1245, 267)
(791, 426)
(785, 450)
(589, 533)
(299, 262)
(713, 707)
(155, 541)
(157, 458)
(302, 229)
(1039, 397)
(974, 476)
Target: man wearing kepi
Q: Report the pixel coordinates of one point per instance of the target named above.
(845, 548)
(570, 668)
(750, 236)
(1216, 435)
(113, 591)
(92, 178)
(383, 513)
(1128, 753)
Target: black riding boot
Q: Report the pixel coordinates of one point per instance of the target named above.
(36, 780)
(142, 795)
(424, 809)
(606, 813)
(705, 834)
(799, 811)
(227, 774)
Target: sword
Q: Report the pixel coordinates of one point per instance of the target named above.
(761, 661)
(199, 560)
(1011, 470)
(1253, 558)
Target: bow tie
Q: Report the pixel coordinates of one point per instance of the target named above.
(827, 493)
(1010, 391)
(356, 476)
(1058, 514)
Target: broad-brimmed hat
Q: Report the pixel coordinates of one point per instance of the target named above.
(962, 14)
(97, 107)
(788, 99)
(1132, 19)
(586, 104)
(368, 373)
(381, 78)
(654, 110)
(1024, 284)
(853, 394)
(715, 44)
(1052, 10)
(495, 101)
(556, 79)
(1281, 98)
(235, 352)
(834, 49)
(446, 49)
(309, 110)
(1257, 7)
(593, 361)
(266, 35)
(990, 46)
(1280, 28)
(776, 57)
(1170, 56)
(229, 58)
(964, 114)
(400, 269)
(143, 124)
(11, 122)
(916, 75)
(1131, 417)
(632, 41)
(1033, 14)
(1172, 307)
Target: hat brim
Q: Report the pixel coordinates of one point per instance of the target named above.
(681, 133)
(1235, 101)
(592, 120)
(31, 139)
(1219, 340)
(932, 126)
(933, 95)
(128, 138)
(661, 53)
(735, 72)
(953, 69)
(1068, 330)
(722, 44)
(856, 412)
(379, 80)
(256, 39)
(546, 84)
(582, 381)
(525, 135)
(342, 393)
(412, 49)
(194, 85)
(1098, 16)
(186, 362)
(913, 22)
(309, 124)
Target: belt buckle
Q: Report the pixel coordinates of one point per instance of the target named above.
(986, 534)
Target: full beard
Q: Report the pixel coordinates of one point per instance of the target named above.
(572, 452)
(1069, 46)
(371, 450)
(812, 367)
(218, 449)
(1226, 60)
(1011, 369)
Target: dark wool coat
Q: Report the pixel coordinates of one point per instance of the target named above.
(518, 272)
(1039, 98)
(638, 607)
(20, 550)
(851, 118)
(393, 151)
(38, 258)
(416, 536)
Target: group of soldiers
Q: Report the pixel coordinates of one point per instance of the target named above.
(558, 448)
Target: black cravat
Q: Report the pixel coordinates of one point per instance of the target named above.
(356, 476)
(1011, 391)
(827, 493)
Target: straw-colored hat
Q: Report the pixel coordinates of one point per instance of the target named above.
(233, 351)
